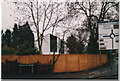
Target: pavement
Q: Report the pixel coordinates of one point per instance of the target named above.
(109, 72)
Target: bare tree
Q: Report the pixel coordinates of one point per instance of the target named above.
(94, 12)
(41, 15)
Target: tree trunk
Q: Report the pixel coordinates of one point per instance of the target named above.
(39, 46)
(41, 42)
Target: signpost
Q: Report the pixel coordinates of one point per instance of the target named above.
(108, 36)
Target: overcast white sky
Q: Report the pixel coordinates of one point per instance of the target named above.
(7, 16)
(8, 12)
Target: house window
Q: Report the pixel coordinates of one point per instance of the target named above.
(53, 43)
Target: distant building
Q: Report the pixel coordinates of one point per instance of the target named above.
(53, 44)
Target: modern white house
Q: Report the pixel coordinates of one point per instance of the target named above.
(53, 44)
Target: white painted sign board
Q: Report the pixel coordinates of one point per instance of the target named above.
(108, 35)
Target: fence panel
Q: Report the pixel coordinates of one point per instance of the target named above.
(43, 59)
(98, 60)
(33, 58)
(72, 62)
(3, 59)
(83, 62)
(90, 60)
(60, 65)
(14, 57)
(102, 59)
(23, 59)
(95, 60)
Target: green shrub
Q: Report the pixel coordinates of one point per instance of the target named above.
(30, 51)
(8, 50)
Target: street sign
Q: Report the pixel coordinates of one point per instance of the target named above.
(108, 35)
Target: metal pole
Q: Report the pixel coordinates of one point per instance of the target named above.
(112, 43)
(111, 53)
